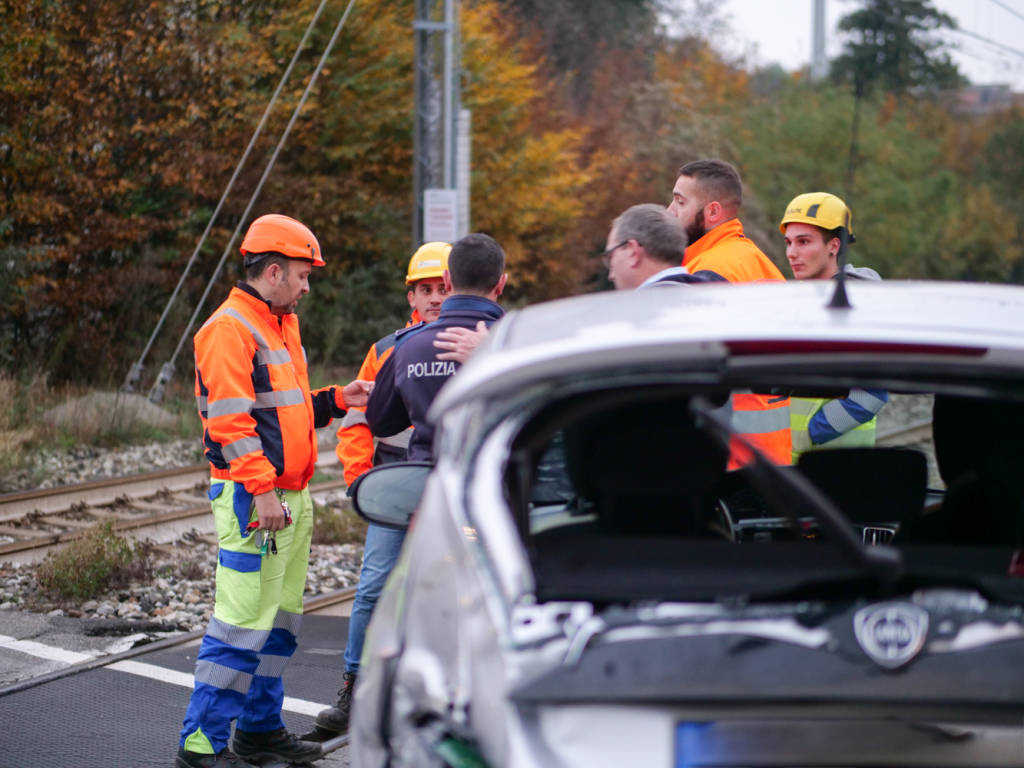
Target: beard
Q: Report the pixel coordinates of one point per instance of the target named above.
(695, 229)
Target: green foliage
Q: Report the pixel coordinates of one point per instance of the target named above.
(913, 215)
(337, 526)
(86, 567)
(892, 46)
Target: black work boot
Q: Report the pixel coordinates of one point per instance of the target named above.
(275, 745)
(336, 718)
(223, 759)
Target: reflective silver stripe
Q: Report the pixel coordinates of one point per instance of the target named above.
(222, 677)
(239, 448)
(353, 417)
(260, 341)
(759, 422)
(279, 399)
(866, 400)
(237, 637)
(229, 406)
(271, 665)
(201, 402)
(264, 353)
(273, 356)
(838, 417)
(401, 440)
(289, 621)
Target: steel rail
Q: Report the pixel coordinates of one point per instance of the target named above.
(97, 492)
(160, 526)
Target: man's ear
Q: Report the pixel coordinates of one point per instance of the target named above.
(410, 295)
(713, 212)
(636, 253)
(500, 285)
(447, 277)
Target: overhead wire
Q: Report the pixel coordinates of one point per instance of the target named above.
(135, 372)
(1008, 9)
(156, 393)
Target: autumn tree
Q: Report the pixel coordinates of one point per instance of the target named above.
(116, 124)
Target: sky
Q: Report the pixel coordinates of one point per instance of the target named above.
(780, 31)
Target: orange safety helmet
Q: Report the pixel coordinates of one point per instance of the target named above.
(275, 233)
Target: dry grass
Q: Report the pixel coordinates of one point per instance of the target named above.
(337, 526)
(35, 415)
(88, 566)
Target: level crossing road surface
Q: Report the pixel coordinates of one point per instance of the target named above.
(129, 714)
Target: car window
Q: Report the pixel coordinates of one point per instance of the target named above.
(638, 483)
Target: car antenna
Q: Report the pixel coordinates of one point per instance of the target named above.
(839, 299)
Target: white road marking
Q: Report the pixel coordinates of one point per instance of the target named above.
(41, 651)
(151, 671)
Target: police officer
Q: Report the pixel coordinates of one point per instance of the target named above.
(426, 292)
(413, 375)
(259, 419)
(813, 225)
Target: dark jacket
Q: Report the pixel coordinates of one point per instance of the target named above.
(412, 376)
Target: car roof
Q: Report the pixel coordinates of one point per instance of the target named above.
(641, 328)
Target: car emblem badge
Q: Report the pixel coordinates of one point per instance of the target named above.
(891, 634)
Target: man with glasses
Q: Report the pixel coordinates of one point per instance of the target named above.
(645, 248)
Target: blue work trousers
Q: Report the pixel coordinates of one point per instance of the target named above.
(379, 557)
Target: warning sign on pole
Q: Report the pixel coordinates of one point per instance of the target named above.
(440, 215)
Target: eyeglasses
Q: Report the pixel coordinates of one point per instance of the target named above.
(606, 257)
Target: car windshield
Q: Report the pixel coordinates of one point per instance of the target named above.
(625, 495)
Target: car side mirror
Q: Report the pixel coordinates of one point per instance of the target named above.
(388, 495)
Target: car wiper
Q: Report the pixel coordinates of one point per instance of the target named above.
(797, 497)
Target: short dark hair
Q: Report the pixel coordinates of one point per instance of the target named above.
(657, 230)
(718, 180)
(476, 264)
(256, 263)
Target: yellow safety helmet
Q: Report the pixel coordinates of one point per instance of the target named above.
(276, 233)
(819, 209)
(430, 260)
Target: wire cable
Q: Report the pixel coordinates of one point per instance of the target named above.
(156, 393)
(1008, 9)
(132, 377)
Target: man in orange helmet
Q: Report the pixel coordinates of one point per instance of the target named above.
(259, 419)
(356, 451)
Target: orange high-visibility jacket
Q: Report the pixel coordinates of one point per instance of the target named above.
(252, 389)
(762, 419)
(355, 441)
(727, 251)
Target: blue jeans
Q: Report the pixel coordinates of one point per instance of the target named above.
(379, 557)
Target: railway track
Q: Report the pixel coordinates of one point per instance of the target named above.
(158, 506)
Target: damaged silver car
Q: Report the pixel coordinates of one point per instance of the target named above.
(599, 572)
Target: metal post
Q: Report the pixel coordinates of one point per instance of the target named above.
(819, 64)
(437, 103)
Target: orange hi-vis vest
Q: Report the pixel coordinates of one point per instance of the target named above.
(762, 419)
(730, 253)
(355, 441)
(252, 390)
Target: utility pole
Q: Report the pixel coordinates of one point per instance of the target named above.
(436, 126)
(819, 64)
